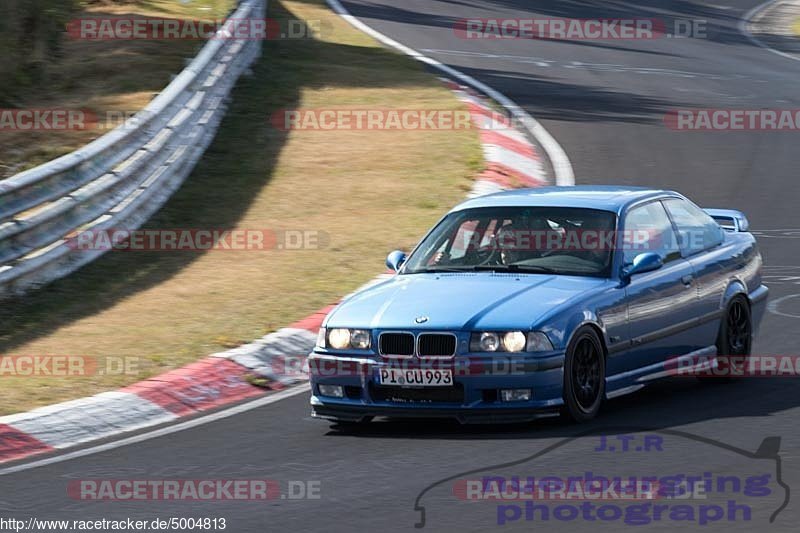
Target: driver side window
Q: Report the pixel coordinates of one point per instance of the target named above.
(648, 229)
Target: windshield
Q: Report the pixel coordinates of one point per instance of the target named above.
(550, 240)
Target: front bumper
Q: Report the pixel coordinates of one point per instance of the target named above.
(474, 397)
(758, 305)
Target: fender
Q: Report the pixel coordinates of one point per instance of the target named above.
(571, 324)
(735, 286)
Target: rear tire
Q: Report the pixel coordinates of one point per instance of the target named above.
(584, 376)
(735, 339)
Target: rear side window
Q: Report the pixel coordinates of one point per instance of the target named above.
(697, 231)
(648, 229)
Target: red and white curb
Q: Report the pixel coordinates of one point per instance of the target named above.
(209, 383)
(278, 358)
(512, 161)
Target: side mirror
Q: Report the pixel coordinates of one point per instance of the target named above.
(395, 260)
(645, 262)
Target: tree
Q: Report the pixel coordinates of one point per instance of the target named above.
(31, 32)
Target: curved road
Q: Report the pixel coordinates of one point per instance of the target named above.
(605, 103)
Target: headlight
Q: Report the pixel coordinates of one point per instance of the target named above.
(509, 341)
(538, 342)
(339, 338)
(489, 342)
(359, 339)
(343, 338)
(514, 341)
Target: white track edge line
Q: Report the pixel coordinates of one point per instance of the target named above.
(562, 168)
(194, 422)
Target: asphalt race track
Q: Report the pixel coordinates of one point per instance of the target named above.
(605, 102)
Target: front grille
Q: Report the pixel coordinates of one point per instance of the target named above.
(382, 393)
(401, 344)
(437, 345)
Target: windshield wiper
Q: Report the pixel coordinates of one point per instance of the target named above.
(486, 268)
(434, 270)
(514, 268)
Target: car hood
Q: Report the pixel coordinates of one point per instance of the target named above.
(459, 301)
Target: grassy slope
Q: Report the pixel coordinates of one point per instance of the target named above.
(371, 192)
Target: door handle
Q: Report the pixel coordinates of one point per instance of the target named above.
(687, 280)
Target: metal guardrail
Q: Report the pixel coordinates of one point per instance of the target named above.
(122, 178)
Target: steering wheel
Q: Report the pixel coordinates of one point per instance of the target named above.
(487, 254)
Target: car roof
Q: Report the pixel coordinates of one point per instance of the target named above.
(602, 197)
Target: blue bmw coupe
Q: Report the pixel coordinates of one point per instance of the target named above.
(535, 302)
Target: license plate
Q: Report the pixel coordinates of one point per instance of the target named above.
(415, 377)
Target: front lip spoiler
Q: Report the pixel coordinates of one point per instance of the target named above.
(341, 413)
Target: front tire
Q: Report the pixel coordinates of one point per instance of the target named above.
(584, 376)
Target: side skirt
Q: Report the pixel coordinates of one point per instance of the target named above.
(634, 380)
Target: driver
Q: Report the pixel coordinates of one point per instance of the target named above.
(516, 241)
(508, 243)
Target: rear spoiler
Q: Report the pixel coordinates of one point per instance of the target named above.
(729, 219)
